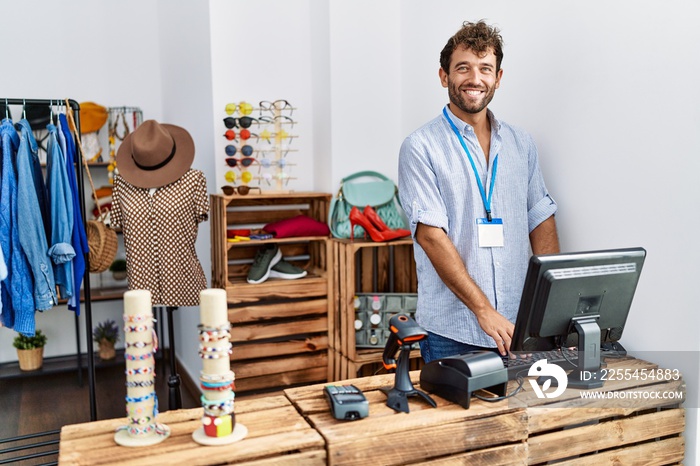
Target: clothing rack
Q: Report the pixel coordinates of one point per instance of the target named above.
(75, 106)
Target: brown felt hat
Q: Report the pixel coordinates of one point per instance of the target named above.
(155, 154)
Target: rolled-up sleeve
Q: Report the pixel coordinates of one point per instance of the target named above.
(540, 204)
(541, 211)
(418, 187)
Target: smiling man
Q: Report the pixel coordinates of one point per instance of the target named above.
(477, 203)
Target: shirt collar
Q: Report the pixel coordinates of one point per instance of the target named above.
(467, 128)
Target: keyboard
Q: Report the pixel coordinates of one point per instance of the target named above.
(521, 365)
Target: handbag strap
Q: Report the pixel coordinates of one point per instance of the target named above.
(74, 128)
(364, 173)
(360, 175)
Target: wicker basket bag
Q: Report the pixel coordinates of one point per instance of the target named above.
(102, 242)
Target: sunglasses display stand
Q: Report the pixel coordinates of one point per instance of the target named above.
(273, 124)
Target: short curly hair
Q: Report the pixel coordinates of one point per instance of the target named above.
(478, 37)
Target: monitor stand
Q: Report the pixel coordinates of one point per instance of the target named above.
(587, 373)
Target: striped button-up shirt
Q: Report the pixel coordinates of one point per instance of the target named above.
(437, 187)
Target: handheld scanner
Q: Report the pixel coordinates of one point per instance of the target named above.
(403, 331)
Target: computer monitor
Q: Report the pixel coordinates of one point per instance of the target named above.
(577, 299)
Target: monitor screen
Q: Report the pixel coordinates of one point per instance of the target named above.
(561, 289)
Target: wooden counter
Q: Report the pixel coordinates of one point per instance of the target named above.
(640, 425)
(646, 430)
(276, 433)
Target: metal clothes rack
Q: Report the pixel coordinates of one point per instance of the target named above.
(47, 104)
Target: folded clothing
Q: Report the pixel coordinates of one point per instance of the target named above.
(105, 205)
(301, 225)
(104, 191)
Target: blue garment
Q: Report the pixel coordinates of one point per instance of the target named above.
(79, 237)
(61, 201)
(3, 272)
(3, 267)
(62, 144)
(30, 225)
(38, 175)
(17, 295)
(437, 187)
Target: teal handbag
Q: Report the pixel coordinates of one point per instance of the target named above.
(381, 194)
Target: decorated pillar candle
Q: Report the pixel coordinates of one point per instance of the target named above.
(216, 378)
(141, 399)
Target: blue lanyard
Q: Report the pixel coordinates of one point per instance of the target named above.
(486, 200)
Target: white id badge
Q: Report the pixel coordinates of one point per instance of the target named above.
(490, 233)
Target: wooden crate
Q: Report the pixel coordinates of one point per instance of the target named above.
(231, 261)
(644, 430)
(279, 327)
(484, 434)
(569, 430)
(277, 434)
(364, 267)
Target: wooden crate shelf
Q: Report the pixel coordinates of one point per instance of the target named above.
(279, 327)
(364, 267)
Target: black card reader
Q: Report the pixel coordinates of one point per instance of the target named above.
(347, 402)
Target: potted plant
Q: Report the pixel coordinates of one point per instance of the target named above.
(30, 350)
(106, 334)
(118, 269)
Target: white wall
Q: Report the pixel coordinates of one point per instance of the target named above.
(365, 87)
(262, 51)
(186, 91)
(606, 88)
(82, 50)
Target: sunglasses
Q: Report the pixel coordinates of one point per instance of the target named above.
(282, 150)
(267, 163)
(277, 119)
(246, 176)
(245, 162)
(243, 135)
(281, 176)
(244, 107)
(275, 106)
(243, 122)
(246, 150)
(243, 190)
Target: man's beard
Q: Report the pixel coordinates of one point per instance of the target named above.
(457, 98)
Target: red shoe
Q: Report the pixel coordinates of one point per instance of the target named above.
(377, 221)
(358, 218)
